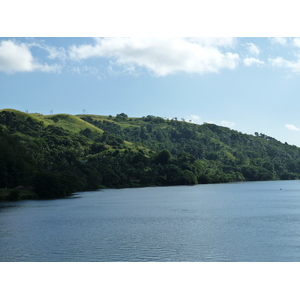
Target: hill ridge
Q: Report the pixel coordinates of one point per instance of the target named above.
(64, 153)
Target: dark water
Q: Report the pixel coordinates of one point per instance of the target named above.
(255, 221)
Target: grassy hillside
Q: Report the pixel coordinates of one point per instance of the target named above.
(58, 154)
(70, 123)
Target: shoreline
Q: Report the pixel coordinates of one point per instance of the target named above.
(13, 194)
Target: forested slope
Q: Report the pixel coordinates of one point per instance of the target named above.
(59, 154)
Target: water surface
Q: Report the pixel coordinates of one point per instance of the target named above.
(253, 221)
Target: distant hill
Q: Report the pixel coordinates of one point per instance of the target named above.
(59, 154)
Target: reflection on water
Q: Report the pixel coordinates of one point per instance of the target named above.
(256, 221)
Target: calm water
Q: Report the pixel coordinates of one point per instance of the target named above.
(254, 221)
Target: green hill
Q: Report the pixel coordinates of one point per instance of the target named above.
(70, 123)
(59, 154)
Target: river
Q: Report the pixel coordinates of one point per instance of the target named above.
(233, 222)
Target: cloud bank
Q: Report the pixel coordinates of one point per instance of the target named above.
(158, 56)
(162, 56)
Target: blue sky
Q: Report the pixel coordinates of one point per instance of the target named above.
(247, 84)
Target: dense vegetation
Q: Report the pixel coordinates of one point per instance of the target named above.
(56, 155)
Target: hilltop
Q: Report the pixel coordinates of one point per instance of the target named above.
(55, 155)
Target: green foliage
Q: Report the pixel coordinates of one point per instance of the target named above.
(54, 185)
(14, 195)
(121, 116)
(58, 155)
(188, 177)
(163, 157)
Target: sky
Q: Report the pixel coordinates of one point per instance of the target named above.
(247, 84)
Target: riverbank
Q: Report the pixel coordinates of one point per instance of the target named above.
(17, 194)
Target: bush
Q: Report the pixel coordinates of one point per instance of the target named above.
(14, 195)
(188, 178)
(53, 185)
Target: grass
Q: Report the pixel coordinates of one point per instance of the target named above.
(71, 123)
(22, 116)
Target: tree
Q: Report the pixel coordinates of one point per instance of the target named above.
(188, 178)
(121, 116)
(163, 157)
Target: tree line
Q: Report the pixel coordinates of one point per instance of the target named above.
(39, 153)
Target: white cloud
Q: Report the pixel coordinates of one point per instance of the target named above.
(224, 42)
(85, 70)
(227, 123)
(17, 57)
(279, 40)
(283, 63)
(296, 42)
(46, 68)
(14, 57)
(292, 65)
(53, 52)
(253, 49)
(161, 56)
(114, 70)
(278, 62)
(249, 61)
(292, 127)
